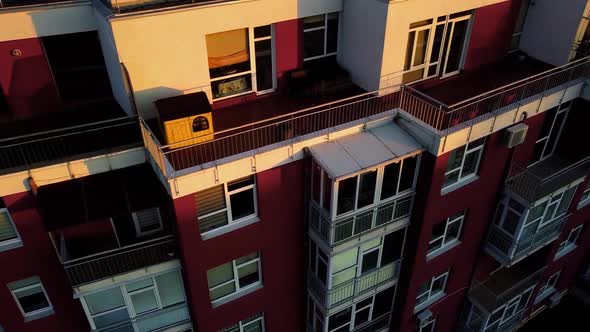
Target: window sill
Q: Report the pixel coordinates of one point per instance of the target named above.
(442, 250)
(544, 295)
(40, 314)
(459, 184)
(236, 295)
(429, 302)
(564, 252)
(229, 228)
(583, 204)
(10, 244)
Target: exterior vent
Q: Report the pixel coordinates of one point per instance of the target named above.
(554, 300)
(424, 317)
(515, 135)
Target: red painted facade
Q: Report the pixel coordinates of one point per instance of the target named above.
(278, 236)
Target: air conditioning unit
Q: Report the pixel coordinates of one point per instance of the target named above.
(424, 317)
(515, 135)
(554, 300)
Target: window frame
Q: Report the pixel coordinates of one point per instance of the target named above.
(12, 243)
(431, 296)
(447, 244)
(325, 28)
(561, 108)
(428, 326)
(461, 178)
(35, 314)
(136, 223)
(252, 71)
(238, 291)
(240, 325)
(504, 308)
(585, 198)
(352, 324)
(568, 244)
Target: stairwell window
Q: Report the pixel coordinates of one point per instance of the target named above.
(463, 163)
(252, 324)
(431, 291)
(570, 243)
(445, 234)
(226, 207)
(320, 36)
(31, 298)
(234, 279)
(9, 237)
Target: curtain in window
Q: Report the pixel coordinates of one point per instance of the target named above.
(227, 48)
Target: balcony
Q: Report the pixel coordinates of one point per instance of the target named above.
(346, 292)
(437, 117)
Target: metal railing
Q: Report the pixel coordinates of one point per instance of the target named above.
(123, 7)
(20, 3)
(351, 227)
(528, 185)
(438, 117)
(514, 249)
(66, 144)
(113, 262)
(348, 290)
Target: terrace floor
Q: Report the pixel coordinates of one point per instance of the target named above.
(475, 82)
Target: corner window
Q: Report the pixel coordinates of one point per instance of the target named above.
(31, 298)
(234, 277)
(320, 36)
(9, 237)
(585, 199)
(464, 162)
(252, 324)
(446, 232)
(232, 203)
(570, 243)
(550, 132)
(147, 221)
(431, 290)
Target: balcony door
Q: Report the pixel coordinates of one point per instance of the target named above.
(456, 42)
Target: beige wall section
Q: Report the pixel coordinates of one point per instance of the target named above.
(31, 22)
(400, 16)
(166, 54)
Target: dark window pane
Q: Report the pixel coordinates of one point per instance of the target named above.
(262, 31)
(231, 86)
(312, 255)
(511, 222)
(383, 301)
(332, 34)
(346, 195)
(554, 137)
(457, 45)
(439, 229)
(361, 316)
(438, 35)
(390, 177)
(313, 22)
(241, 183)
(456, 158)
(316, 173)
(327, 202)
(313, 43)
(538, 151)
(368, 182)
(408, 171)
(242, 204)
(409, 50)
(264, 72)
(471, 163)
(322, 272)
(392, 247)
(549, 117)
(339, 319)
(32, 300)
(370, 261)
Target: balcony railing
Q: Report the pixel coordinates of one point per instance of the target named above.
(439, 118)
(20, 3)
(122, 6)
(349, 290)
(67, 144)
(515, 249)
(531, 185)
(121, 260)
(352, 227)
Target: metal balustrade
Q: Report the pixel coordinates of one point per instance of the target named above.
(351, 227)
(19, 3)
(122, 7)
(348, 290)
(514, 249)
(437, 117)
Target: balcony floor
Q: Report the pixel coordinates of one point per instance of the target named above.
(475, 82)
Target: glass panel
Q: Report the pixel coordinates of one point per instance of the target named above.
(327, 193)
(170, 288)
(332, 34)
(220, 274)
(547, 123)
(262, 31)
(228, 52)
(343, 230)
(242, 204)
(409, 50)
(7, 231)
(366, 195)
(246, 258)
(369, 261)
(456, 158)
(344, 260)
(248, 274)
(383, 301)
(438, 36)
(451, 177)
(536, 212)
(323, 271)
(32, 299)
(264, 72)
(231, 86)
(346, 195)
(408, 171)
(253, 326)
(362, 316)
(511, 222)
(143, 283)
(453, 231)
(241, 183)
(111, 318)
(412, 76)
(390, 179)
(421, 46)
(339, 319)
(457, 45)
(470, 164)
(313, 22)
(438, 285)
(555, 131)
(344, 276)
(222, 291)
(144, 301)
(313, 43)
(565, 201)
(104, 301)
(168, 318)
(316, 180)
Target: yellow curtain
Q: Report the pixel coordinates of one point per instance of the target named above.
(227, 48)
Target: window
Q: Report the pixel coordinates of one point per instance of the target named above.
(147, 221)
(548, 288)
(436, 47)
(9, 237)
(431, 291)
(519, 26)
(585, 199)
(234, 277)
(570, 243)
(235, 56)
(428, 326)
(252, 324)
(31, 298)
(446, 232)
(221, 207)
(464, 162)
(320, 36)
(363, 312)
(129, 303)
(318, 262)
(546, 211)
(506, 312)
(550, 132)
(315, 316)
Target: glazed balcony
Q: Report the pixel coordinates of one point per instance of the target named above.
(276, 124)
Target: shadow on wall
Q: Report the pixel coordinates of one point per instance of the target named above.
(145, 99)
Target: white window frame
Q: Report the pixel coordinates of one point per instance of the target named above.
(252, 71)
(273, 59)
(36, 314)
(585, 199)
(432, 296)
(506, 315)
(138, 231)
(545, 140)
(238, 291)
(241, 325)
(231, 223)
(548, 288)
(428, 326)
(461, 178)
(446, 243)
(325, 28)
(14, 242)
(569, 244)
